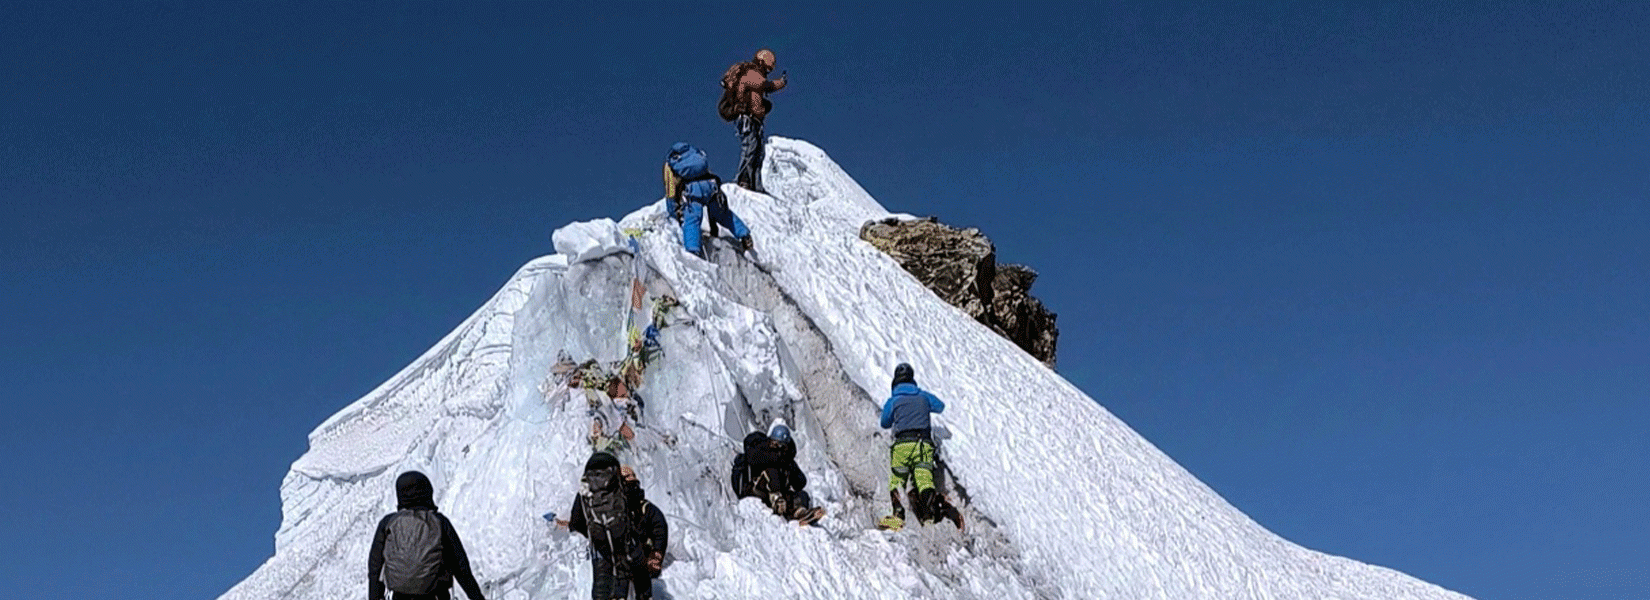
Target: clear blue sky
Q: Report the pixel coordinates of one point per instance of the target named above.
(1379, 274)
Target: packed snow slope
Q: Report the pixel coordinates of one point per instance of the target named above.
(807, 329)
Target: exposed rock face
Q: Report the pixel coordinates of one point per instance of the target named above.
(960, 266)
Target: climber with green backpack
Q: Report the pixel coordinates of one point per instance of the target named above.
(416, 552)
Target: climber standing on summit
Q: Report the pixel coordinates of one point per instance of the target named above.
(745, 89)
(912, 457)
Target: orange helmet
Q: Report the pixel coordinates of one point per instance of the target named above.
(765, 57)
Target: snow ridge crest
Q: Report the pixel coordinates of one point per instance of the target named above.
(808, 331)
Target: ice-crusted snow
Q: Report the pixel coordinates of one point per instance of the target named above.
(808, 332)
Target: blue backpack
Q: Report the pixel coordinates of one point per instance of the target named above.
(688, 161)
(698, 183)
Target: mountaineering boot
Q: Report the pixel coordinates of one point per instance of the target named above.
(955, 516)
(896, 521)
(919, 505)
(893, 521)
(925, 506)
(944, 509)
(746, 244)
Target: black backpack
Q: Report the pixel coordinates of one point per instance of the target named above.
(607, 523)
(412, 552)
(725, 106)
(743, 479)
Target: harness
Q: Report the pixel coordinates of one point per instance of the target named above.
(911, 435)
(919, 459)
(716, 200)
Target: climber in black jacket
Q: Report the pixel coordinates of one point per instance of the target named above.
(768, 470)
(414, 492)
(644, 551)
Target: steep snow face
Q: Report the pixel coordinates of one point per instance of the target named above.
(807, 331)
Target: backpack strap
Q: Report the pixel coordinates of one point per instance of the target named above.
(730, 79)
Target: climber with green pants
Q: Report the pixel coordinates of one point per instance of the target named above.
(912, 457)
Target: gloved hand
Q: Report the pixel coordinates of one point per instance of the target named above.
(655, 564)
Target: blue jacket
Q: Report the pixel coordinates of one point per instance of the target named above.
(909, 408)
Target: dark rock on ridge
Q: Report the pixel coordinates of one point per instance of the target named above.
(960, 266)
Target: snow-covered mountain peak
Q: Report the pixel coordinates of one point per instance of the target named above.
(808, 329)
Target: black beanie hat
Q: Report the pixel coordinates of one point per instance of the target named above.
(413, 490)
(600, 460)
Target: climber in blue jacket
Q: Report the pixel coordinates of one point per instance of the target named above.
(912, 457)
(690, 190)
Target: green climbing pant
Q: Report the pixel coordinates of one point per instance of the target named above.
(912, 459)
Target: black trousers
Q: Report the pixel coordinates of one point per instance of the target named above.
(613, 579)
(750, 152)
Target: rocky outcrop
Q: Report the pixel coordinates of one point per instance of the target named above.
(960, 266)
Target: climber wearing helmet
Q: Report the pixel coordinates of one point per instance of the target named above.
(768, 470)
(913, 455)
(745, 89)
